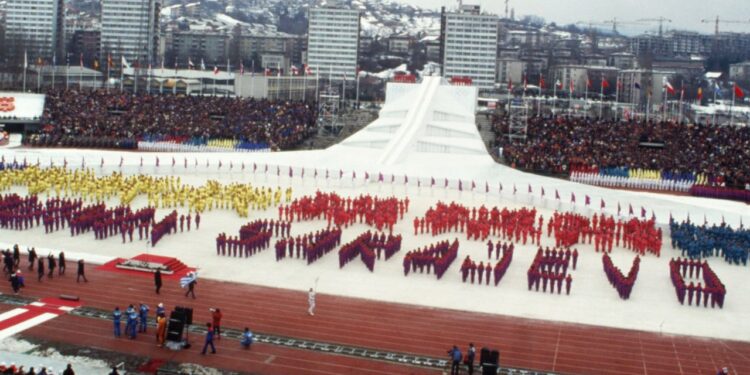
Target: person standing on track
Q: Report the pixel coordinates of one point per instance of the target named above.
(81, 273)
(116, 316)
(455, 358)
(216, 316)
(311, 302)
(209, 340)
(470, 354)
(157, 280)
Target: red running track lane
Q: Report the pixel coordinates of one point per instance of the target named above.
(525, 343)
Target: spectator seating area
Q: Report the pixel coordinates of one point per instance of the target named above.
(102, 119)
(656, 155)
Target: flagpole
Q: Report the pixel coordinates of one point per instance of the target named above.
(25, 67)
(39, 78)
(682, 96)
(80, 74)
(554, 97)
(317, 82)
(731, 108)
(357, 89)
(648, 106)
(122, 73)
(713, 121)
(54, 67)
(304, 87)
(601, 98)
(617, 99)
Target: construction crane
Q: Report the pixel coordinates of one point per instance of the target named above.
(660, 20)
(614, 22)
(717, 21)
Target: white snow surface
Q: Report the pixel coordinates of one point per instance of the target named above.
(424, 131)
(24, 353)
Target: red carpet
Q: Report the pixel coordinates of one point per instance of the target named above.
(178, 268)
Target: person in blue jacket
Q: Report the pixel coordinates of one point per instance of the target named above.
(247, 339)
(143, 317)
(116, 317)
(131, 323)
(455, 357)
(209, 340)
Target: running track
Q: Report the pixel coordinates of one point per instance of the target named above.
(523, 343)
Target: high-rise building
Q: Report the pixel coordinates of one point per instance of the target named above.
(130, 29)
(35, 26)
(469, 45)
(333, 41)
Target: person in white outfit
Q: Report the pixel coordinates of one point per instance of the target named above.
(311, 302)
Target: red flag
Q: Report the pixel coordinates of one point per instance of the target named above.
(541, 81)
(668, 86)
(699, 96)
(510, 84)
(738, 91)
(588, 82)
(605, 84)
(308, 71)
(242, 68)
(572, 86)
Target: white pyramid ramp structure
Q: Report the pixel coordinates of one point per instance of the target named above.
(428, 119)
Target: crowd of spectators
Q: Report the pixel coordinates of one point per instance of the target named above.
(113, 119)
(558, 145)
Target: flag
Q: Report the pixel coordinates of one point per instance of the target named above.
(203, 65)
(96, 63)
(406, 179)
(190, 277)
(510, 84)
(602, 204)
(699, 95)
(529, 188)
(473, 185)
(291, 172)
(109, 61)
(587, 200)
(190, 63)
(81, 60)
(605, 83)
(315, 175)
(571, 86)
(121, 160)
(557, 194)
(573, 197)
(500, 187)
(630, 209)
(432, 181)
(525, 82)
(705, 221)
(295, 70)
(643, 212)
(619, 209)
(216, 70)
(278, 170)
(486, 187)
(267, 72)
(367, 176)
(25, 59)
(173, 161)
(514, 189)
(738, 91)
(588, 81)
(354, 175)
(541, 81)
(717, 90)
(446, 183)
(542, 191)
(637, 86)
(341, 174)
(619, 83)
(124, 62)
(559, 85)
(308, 71)
(668, 86)
(460, 185)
